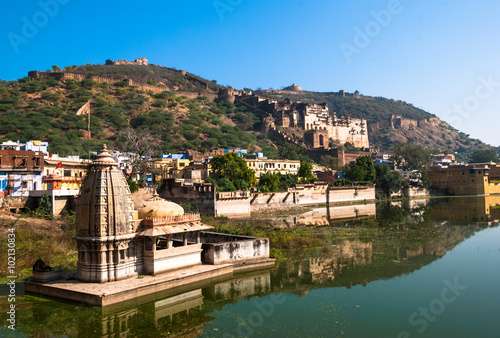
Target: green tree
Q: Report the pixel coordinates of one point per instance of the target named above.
(56, 67)
(269, 182)
(388, 181)
(330, 162)
(484, 156)
(305, 172)
(421, 176)
(362, 170)
(226, 185)
(232, 167)
(410, 156)
(45, 206)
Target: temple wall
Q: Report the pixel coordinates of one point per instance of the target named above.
(169, 259)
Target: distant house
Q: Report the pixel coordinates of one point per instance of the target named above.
(33, 145)
(262, 166)
(20, 172)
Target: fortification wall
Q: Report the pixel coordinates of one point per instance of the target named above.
(310, 195)
(399, 122)
(243, 203)
(62, 75)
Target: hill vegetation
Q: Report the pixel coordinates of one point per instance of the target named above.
(46, 109)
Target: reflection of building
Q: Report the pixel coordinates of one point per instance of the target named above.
(170, 315)
(468, 209)
(343, 256)
(325, 215)
(183, 315)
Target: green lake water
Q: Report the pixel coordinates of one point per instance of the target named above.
(383, 285)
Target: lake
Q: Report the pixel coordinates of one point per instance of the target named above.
(384, 282)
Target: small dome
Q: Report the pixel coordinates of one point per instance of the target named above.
(159, 207)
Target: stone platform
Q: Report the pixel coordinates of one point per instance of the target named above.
(144, 287)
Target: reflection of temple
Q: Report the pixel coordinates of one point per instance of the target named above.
(183, 315)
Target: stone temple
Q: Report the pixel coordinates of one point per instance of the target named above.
(113, 244)
(126, 254)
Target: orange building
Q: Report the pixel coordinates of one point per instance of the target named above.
(468, 179)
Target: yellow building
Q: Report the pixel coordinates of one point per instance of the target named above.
(71, 172)
(171, 167)
(262, 166)
(468, 179)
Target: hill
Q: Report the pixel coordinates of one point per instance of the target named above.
(184, 111)
(45, 108)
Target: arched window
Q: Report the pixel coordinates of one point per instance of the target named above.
(321, 141)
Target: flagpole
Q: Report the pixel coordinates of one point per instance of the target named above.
(88, 141)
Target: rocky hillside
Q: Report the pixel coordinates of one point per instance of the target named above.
(390, 121)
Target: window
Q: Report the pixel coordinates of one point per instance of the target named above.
(24, 185)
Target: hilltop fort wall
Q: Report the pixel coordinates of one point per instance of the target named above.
(399, 122)
(138, 61)
(63, 75)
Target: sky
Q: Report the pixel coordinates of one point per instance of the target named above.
(440, 55)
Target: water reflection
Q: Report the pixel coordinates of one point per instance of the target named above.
(342, 263)
(319, 216)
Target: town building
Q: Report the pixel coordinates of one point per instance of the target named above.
(263, 165)
(20, 172)
(173, 167)
(69, 170)
(467, 179)
(33, 145)
(443, 160)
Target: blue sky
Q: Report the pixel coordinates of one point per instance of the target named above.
(440, 55)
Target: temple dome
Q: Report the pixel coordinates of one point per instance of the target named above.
(104, 205)
(159, 207)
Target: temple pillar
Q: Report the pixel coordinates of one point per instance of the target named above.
(184, 239)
